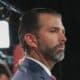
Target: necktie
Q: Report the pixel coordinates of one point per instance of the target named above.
(53, 77)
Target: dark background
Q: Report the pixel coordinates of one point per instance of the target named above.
(68, 69)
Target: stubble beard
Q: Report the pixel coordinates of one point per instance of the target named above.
(50, 53)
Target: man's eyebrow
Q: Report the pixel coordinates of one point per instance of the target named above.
(63, 29)
(54, 27)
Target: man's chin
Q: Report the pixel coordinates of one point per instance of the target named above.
(59, 57)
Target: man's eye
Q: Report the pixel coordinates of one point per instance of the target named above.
(55, 30)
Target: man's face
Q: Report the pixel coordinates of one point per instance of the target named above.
(51, 41)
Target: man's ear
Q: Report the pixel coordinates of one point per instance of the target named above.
(30, 39)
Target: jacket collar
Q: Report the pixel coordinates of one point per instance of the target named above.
(36, 70)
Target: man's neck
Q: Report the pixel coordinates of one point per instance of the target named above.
(48, 63)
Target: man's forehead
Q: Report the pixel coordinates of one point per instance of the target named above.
(48, 14)
(50, 20)
(46, 17)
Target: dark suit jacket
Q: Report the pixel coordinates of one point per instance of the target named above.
(30, 70)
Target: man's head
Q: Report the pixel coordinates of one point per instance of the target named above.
(42, 30)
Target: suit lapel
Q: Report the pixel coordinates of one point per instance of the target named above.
(36, 71)
(44, 76)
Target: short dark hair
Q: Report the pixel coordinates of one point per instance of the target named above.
(29, 23)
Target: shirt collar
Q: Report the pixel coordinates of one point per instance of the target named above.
(41, 64)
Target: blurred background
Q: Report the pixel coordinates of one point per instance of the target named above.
(11, 51)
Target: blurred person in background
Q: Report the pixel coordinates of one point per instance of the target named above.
(5, 73)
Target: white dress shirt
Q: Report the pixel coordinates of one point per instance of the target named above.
(41, 64)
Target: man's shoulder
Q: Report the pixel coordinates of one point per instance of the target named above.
(30, 70)
(26, 71)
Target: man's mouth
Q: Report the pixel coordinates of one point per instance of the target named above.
(60, 48)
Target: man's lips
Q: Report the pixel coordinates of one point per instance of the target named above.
(60, 48)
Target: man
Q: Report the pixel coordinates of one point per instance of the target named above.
(42, 36)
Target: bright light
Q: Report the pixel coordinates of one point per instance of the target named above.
(4, 34)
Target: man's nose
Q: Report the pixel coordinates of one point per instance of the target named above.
(63, 37)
